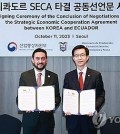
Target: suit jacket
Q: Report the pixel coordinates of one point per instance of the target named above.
(93, 80)
(28, 79)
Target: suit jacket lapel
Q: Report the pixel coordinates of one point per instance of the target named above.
(47, 77)
(87, 78)
(75, 80)
(32, 73)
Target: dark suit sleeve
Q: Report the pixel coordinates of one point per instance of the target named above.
(57, 93)
(21, 81)
(100, 92)
(66, 82)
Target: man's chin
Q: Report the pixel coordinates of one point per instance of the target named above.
(40, 68)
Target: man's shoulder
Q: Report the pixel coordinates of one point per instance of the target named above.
(27, 72)
(71, 72)
(93, 71)
(50, 72)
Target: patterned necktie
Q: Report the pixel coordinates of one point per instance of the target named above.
(39, 82)
(81, 80)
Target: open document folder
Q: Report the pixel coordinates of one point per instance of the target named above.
(82, 102)
(30, 98)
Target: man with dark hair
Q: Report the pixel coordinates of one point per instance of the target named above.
(91, 79)
(42, 121)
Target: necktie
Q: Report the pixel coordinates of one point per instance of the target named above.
(39, 82)
(81, 80)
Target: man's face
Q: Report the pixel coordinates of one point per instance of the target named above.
(80, 58)
(39, 61)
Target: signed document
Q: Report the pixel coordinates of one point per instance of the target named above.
(26, 98)
(87, 101)
(75, 102)
(46, 98)
(32, 99)
(70, 101)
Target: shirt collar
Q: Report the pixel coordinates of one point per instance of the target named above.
(42, 72)
(84, 70)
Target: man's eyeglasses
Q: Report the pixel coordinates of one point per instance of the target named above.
(79, 55)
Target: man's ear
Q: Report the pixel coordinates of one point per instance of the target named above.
(47, 60)
(87, 58)
(32, 60)
(73, 59)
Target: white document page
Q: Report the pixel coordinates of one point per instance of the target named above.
(70, 101)
(46, 98)
(87, 101)
(26, 98)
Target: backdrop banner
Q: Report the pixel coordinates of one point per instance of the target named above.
(57, 26)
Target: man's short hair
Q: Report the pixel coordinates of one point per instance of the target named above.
(39, 50)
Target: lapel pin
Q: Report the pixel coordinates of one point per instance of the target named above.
(88, 75)
(48, 76)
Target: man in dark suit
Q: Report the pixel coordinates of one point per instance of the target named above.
(92, 79)
(42, 121)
